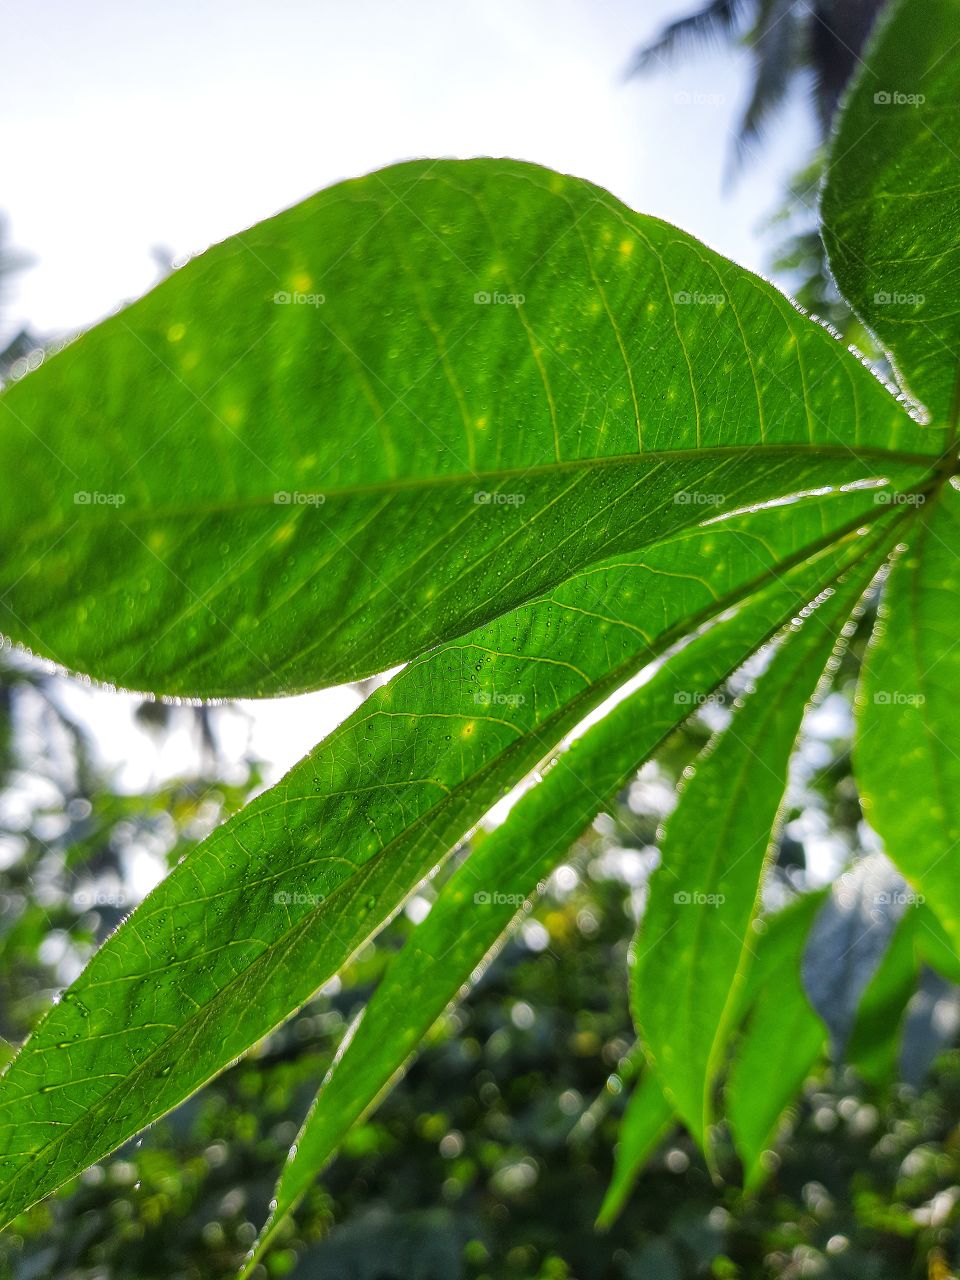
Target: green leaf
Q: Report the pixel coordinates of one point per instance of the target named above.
(772, 934)
(444, 460)
(905, 757)
(646, 1121)
(934, 947)
(694, 942)
(875, 1040)
(487, 893)
(783, 1040)
(891, 203)
(277, 899)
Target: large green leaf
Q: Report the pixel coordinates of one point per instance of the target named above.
(783, 1040)
(934, 946)
(907, 752)
(645, 1123)
(444, 458)
(487, 892)
(694, 944)
(892, 198)
(277, 899)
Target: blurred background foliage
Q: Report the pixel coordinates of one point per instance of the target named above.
(491, 1158)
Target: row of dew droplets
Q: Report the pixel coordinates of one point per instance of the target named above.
(71, 1003)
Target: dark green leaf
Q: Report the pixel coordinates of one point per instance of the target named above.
(646, 1121)
(874, 1044)
(782, 1042)
(907, 756)
(934, 947)
(892, 198)
(694, 943)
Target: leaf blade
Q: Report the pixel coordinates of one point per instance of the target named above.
(348, 834)
(646, 1121)
(875, 1040)
(395, 407)
(908, 694)
(455, 941)
(701, 903)
(891, 200)
(783, 1039)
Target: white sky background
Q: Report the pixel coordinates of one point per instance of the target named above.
(126, 124)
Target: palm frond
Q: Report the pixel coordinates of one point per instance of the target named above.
(718, 20)
(838, 31)
(777, 43)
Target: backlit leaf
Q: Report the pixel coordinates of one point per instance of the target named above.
(341, 437)
(907, 753)
(695, 943)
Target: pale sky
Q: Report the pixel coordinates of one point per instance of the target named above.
(126, 125)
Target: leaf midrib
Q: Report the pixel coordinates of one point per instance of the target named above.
(415, 484)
